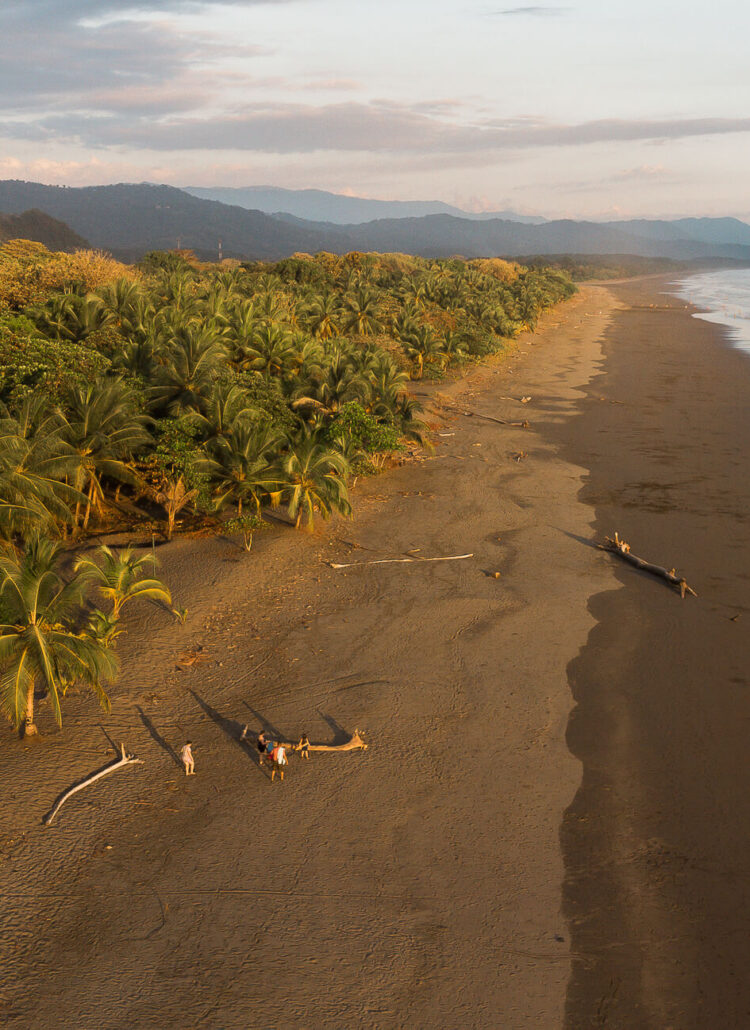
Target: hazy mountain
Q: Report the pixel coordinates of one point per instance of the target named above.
(704, 230)
(337, 209)
(130, 220)
(41, 228)
(443, 235)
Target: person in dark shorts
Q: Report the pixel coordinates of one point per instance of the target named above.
(304, 746)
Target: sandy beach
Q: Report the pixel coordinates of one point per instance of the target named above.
(550, 825)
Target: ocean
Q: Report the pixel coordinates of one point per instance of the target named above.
(725, 295)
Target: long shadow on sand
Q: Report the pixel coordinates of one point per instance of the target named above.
(231, 727)
(340, 735)
(157, 737)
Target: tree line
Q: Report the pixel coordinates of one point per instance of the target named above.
(175, 393)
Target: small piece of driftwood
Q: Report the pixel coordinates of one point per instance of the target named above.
(622, 549)
(124, 759)
(392, 561)
(489, 418)
(355, 742)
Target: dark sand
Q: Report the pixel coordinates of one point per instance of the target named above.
(422, 882)
(657, 842)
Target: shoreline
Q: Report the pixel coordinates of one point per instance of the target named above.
(656, 840)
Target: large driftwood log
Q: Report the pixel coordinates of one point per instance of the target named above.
(622, 549)
(354, 743)
(124, 759)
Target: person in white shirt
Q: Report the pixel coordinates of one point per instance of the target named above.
(278, 762)
(187, 758)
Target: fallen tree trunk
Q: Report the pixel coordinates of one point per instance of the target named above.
(354, 743)
(125, 759)
(622, 549)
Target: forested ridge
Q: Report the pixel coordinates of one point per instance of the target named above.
(176, 395)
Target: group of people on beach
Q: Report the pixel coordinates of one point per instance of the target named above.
(271, 751)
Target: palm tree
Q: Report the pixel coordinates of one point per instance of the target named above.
(241, 465)
(118, 575)
(39, 641)
(173, 495)
(271, 350)
(227, 406)
(313, 476)
(340, 380)
(104, 430)
(35, 468)
(186, 377)
(421, 345)
(322, 316)
(361, 312)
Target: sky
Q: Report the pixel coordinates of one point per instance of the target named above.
(588, 109)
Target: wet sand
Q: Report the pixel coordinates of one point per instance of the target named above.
(422, 882)
(657, 842)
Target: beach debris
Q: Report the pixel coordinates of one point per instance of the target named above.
(125, 759)
(733, 618)
(193, 656)
(354, 743)
(519, 455)
(619, 547)
(489, 418)
(393, 561)
(525, 400)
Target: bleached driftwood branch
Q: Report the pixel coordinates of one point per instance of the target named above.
(391, 561)
(489, 418)
(622, 549)
(355, 742)
(125, 759)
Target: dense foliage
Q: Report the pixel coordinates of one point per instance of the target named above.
(176, 391)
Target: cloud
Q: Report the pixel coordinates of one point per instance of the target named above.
(388, 128)
(532, 11)
(56, 58)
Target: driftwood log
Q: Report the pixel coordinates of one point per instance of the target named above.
(468, 413)
(354, 743)
(620, 548)
(124, 760)
(395, 561)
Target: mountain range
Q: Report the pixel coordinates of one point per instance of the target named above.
(131, 219)
(338, 209)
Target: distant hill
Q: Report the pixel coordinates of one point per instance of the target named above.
(41, 228)
(443, 235)
(336, 208)
(130, 220)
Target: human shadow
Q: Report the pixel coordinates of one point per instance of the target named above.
(115, 746)
(156, 736)
(340, 735)
(266, 726)
(231, 727)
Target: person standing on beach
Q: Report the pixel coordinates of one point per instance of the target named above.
(304, 746)
(187, 758)
(278, 762)
(261, 745)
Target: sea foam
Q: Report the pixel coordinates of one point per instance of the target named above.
(725, 295)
